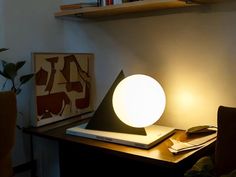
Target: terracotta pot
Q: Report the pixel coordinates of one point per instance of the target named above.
(8, 114)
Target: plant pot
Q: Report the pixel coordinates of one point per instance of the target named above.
(8, 115)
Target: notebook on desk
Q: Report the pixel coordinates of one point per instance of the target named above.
(155, 134)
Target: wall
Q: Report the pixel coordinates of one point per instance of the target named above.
(1, 27)
(28, 26)
(191, 52)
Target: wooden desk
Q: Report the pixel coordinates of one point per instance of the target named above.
(78, 153)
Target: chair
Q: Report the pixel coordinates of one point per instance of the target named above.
(223, 162)
(225, 154)
(8, 114)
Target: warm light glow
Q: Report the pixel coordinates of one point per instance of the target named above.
(186, 98)
(139, 100)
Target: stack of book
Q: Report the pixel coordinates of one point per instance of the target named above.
(92, 3)
(78, 5)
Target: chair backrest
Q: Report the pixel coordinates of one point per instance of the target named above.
(225, 154)
(8, 114)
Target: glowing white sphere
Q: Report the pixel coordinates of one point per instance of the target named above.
(139, 100)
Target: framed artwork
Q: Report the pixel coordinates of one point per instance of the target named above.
(63, 83)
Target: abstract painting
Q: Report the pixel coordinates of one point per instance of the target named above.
(63, 84)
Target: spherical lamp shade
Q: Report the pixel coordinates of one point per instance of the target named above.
(139, 100)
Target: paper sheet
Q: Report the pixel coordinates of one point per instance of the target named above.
(179, 146)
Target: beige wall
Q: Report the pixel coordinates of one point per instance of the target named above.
(191, 52)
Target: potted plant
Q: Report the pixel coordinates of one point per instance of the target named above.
(9, 72)
(8, 112)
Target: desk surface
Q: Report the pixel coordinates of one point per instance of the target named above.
(159, 154)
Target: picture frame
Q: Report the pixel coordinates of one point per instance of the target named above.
(63, 86)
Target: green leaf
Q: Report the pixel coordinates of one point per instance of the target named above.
(10, 71)
(19, 64)
(4, 75)
(25, 78)
(3, 49)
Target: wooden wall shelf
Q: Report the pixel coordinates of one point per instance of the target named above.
(120, 9)
(131, 7)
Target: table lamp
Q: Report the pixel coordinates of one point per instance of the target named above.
(127, 113)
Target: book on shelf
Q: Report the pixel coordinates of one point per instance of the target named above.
(114, 2)
(78, 5)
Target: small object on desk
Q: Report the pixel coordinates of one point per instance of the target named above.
(201, 129)
(179, 146)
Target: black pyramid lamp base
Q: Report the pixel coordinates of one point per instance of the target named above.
(105, 119)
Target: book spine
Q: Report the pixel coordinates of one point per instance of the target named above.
(109, 2)
(117, 2)
(106, 2)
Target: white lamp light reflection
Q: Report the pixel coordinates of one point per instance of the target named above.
(139, 100)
